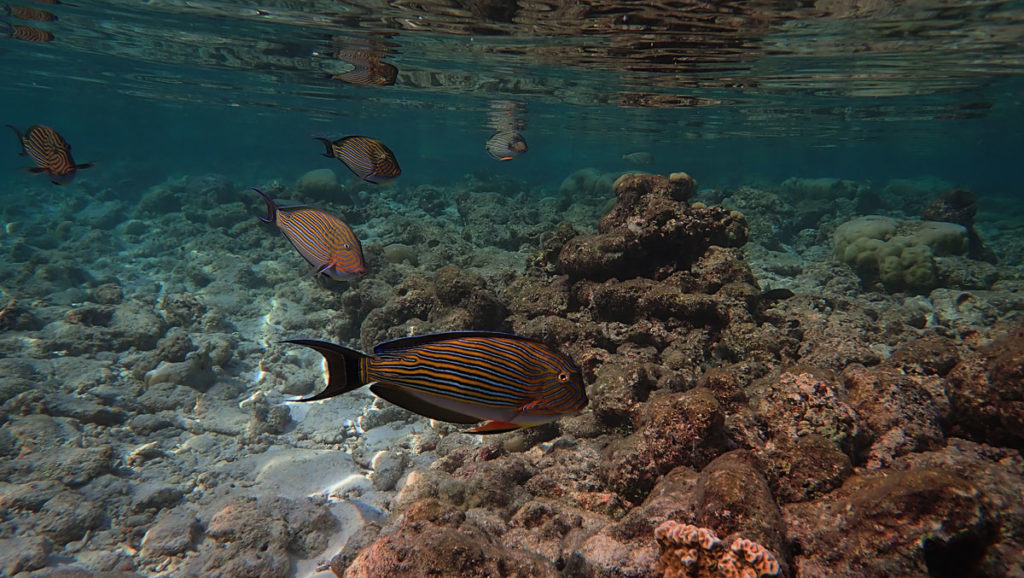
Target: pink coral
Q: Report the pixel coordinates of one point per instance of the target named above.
(688, 551)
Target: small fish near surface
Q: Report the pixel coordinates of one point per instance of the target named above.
(366, 157)
(25, 33)
(464, 377)
(325, 241)
(51, 153)
(367, 68)
(506, 145)
(642, 158)
(28, 13)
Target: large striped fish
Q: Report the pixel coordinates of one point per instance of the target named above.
(463, 377)
(51, 153)
(368, 158)
(325, 241)
(506, 145)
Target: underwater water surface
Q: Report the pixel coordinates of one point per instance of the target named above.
(814, 287)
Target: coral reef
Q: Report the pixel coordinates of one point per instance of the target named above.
(650, 228)
(691, 552)
(899, 255)
(754, 411)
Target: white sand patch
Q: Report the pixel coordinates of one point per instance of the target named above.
(300, 473)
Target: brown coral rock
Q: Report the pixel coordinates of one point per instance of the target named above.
(733, 497)
(650, 232)
(986, 391)
(922, 521)
(677, 429)
(434, 539)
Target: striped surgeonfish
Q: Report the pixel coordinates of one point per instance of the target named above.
(26, 33)
(367, 68)
(51, 153)
(506, 145)
(463, 377)
(325, 241)
(368, 158)
(28, 13)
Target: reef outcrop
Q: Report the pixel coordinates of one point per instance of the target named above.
(742, 394)
(651, 231)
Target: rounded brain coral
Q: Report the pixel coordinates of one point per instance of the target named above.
(899, 254)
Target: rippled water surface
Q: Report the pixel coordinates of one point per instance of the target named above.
(851, 89)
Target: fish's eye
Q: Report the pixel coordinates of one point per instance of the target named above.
(348, 247)
(563, 377)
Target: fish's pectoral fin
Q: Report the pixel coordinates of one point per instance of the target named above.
(495, 427)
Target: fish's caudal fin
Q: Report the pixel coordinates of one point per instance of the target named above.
(271, 207)
(342, 367)
(329, 145)
(21, 139)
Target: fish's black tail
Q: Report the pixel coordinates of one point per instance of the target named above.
(329, 145)
(21, 139)
(271, 207)
(342, 367)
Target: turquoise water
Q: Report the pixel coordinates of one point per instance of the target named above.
(738, 92)
(147, 415)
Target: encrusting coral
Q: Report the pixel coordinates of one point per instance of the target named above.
(688, 551)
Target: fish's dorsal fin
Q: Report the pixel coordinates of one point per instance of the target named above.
(402, 398)
(403, 343)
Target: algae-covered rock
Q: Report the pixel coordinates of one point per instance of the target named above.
(650, 230)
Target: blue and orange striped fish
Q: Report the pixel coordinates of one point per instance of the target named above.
(367, 157)
(463, 377)
(325, 241)
(506, 145)
(51, 153)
